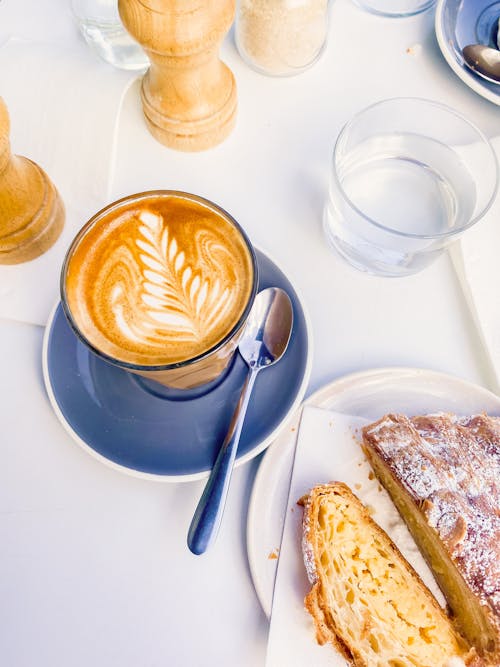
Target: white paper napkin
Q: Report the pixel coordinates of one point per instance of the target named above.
(64, 107)
(327, 450)
(476, 258)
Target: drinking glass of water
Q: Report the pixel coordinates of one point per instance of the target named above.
(100, 24)
(408, 177)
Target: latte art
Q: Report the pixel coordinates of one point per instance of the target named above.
(159, 282)
(174, 301)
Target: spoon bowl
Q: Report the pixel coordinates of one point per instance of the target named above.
(483, 60)
(263, 343)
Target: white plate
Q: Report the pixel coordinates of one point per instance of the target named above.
(368, 394)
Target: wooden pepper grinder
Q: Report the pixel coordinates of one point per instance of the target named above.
(188, 93)
(31, 211)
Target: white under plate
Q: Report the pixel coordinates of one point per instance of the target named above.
(368, 394)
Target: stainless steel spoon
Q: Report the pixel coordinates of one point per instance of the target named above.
(483, 60)
(263, 343)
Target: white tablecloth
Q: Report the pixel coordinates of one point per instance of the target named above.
(93, 564)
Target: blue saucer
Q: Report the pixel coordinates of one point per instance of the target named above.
(462, 22)
(126, 423)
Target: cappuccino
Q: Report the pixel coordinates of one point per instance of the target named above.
(159, 279)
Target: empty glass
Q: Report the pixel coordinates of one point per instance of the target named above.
(100, 24)
(408, 177)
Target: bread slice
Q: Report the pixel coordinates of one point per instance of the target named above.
(366, 599)
(443, 474)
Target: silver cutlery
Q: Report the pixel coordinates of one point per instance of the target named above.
(483, 60)
(263, 343)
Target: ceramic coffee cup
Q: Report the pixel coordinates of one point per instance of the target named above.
(161, 284)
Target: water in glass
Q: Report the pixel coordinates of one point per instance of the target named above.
(407, 183)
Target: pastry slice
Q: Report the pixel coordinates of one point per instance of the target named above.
(443, 474)
(366, 599)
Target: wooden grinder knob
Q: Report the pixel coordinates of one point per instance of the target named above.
(188, 93)
(31, 211)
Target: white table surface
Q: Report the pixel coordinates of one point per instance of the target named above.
(94, 569)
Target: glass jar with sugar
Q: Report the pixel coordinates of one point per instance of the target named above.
(281, 37)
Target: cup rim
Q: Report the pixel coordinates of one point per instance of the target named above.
(137, 197)
(412, 235)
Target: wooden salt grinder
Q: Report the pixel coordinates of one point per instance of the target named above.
(188, 93)
(31, 211)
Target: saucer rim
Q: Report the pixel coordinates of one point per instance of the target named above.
(460, 70)
(202, 474)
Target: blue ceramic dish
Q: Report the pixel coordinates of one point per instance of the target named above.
(136, 426)
(462, 22)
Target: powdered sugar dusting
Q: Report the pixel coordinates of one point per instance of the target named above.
(450, 466)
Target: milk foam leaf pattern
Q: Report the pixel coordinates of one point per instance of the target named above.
(176, 296)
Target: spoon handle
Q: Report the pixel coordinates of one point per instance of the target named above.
(208, 515)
